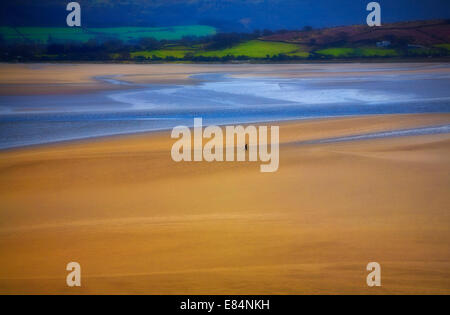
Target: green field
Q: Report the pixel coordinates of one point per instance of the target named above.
(43, 34)
(251, 49)
(191, 50)
(343, 52)
(445, 46)
(256, 49)
(69, 34)
(162, 53)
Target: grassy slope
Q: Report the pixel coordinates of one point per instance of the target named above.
(174, 51)
(252, 49)
(256, 49)
(42, 34)
(159, 33)
(446, 46)
(358, 52)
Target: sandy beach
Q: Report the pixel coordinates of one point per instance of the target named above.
(140, 223)
(29, 79)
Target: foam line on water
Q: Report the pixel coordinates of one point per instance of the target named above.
(432, 130)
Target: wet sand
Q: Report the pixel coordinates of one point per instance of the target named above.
(138, 222)
(29, 79)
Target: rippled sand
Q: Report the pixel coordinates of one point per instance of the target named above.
(138, 222)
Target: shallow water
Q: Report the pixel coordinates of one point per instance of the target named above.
(218, 99)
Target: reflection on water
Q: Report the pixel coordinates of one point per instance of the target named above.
(218, 99)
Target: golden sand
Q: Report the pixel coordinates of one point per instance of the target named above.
(138, 222)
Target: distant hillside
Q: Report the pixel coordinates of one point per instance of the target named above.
(47, 35)
(426, 33)
(420, 39)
